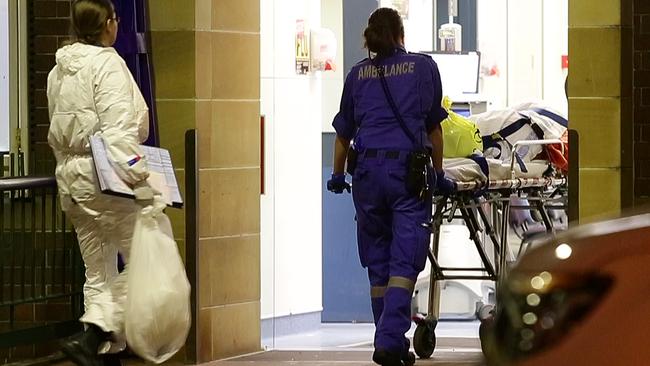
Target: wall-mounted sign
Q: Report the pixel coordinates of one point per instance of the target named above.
(302, 48)
(323, 49)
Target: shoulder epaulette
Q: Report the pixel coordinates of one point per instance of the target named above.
(420, 54)
(362, 61)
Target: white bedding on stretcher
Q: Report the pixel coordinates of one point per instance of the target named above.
(467, 170)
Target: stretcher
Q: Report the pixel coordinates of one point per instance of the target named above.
(484, 206)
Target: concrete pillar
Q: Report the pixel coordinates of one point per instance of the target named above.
(207, 69)
(601, 102)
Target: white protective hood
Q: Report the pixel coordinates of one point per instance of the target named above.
(91, 92)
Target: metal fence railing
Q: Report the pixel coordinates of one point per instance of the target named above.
(41, 270)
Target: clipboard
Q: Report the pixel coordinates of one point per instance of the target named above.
(161, 173)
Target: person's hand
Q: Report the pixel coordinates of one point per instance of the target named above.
(444, 185)
(144, 193)
(337, 184)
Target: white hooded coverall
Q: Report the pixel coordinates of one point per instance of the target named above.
(90, 91)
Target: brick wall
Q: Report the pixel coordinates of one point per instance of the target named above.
(40, 265)
(48, 28)
(642, 101)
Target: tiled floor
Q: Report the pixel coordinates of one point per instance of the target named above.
(351, 344)
(341, 358)
(358, 336)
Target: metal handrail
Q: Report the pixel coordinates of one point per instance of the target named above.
(39, 262)
(20, 183)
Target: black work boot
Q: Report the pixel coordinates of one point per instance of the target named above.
(82, 348)
(408, 358)
(385, 358)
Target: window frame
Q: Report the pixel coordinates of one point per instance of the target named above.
(18, 82)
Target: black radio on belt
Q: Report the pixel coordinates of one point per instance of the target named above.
(418, 165)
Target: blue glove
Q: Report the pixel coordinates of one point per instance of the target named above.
(337, 184)
(444, 185)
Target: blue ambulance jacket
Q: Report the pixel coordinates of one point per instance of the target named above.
(365, 114)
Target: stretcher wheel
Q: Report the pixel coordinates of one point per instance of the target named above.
(424, 339)
(482, 329)
(487, 326)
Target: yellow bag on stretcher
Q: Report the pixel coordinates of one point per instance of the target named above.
(461, 137)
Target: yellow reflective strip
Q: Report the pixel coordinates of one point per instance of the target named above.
(401, 282)
(377, 291)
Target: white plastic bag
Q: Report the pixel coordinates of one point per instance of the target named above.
(157, 314)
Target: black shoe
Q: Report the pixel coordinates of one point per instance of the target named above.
(385, 358)
(408, 359)
(111, 360)
(82, 348)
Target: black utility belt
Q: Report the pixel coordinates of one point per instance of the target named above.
(418, 167)
(354, 155)
(387, 154)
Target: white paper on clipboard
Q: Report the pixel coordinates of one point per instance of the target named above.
(161, 173)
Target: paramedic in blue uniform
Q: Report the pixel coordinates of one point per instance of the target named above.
(392, 242)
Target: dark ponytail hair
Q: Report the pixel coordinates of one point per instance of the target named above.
(89, 19)
(384, 32)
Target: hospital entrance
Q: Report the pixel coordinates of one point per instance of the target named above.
(504, 66)
(538, 250)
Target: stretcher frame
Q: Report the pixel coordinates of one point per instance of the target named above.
(468, 203)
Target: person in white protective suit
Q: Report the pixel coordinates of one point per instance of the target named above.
(91, 92)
